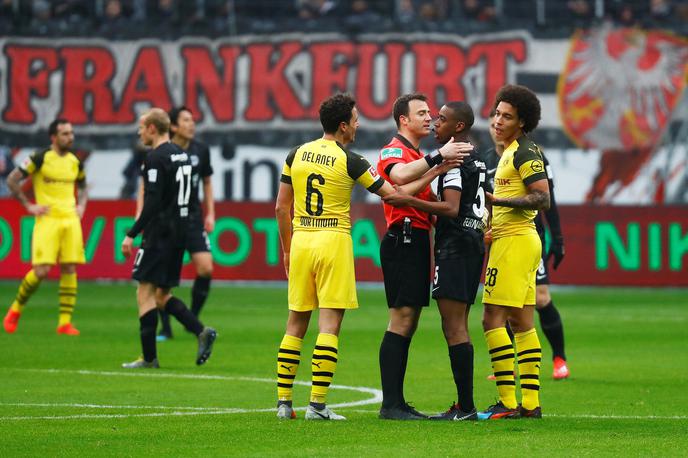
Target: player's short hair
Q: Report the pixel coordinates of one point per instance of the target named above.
(52, 128)
(175, 112)
(401, 105)
(462, 112)
(525, 101)
(158, 118)
(336, 110)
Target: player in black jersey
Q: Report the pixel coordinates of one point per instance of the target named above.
(459, 250)
(182, 132)
(164, 222)
(550, 320)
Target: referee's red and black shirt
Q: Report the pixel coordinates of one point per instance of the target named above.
(400, 151)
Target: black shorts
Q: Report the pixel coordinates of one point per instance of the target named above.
(159, 264)
(542, 274)
(457, 278)
(196, 237)
(406, 268)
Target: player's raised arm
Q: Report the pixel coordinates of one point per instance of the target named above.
(405, 173)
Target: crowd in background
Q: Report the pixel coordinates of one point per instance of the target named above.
(173, 18)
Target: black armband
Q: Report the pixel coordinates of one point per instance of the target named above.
(434, 158)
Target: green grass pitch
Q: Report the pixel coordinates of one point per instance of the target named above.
(67, 396)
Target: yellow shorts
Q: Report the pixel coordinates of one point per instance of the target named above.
(321, 271)
(511, 268)
(57, 240)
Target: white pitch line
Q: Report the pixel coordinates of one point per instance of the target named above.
(376, 396)
(108, 416)
(105, 406)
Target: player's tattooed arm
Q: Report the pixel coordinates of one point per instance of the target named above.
(14, 180)
(537, 198)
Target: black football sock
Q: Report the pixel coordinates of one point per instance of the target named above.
(148, 324)
(393, 357)
(461, 359)
(199, 294)
(402, 375)
(550, 321)
(165, 327)
(177, 309)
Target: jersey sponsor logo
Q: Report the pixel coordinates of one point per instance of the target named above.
(307, 221)
(503, 181)
(152, 175)
(179, 157)
(49, 180)
(391, 153)
(537, 166)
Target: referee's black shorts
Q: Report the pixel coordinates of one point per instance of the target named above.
(406, 268)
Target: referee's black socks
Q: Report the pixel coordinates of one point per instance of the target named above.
(394, 351)
(461, 359)
(177, 309)
(148, 323)
(550, 321)
(199, 294)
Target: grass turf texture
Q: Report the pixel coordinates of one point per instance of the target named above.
(626, 351)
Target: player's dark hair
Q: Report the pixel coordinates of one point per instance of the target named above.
(401, 105)
(52, 128)
(175, 112)
(525, 101)
(336, 110)
(462, 112)
(159, 118)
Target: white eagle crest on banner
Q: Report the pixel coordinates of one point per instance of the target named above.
(620, 86)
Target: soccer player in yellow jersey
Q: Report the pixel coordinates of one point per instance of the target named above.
(521, 189)
(317, 180)
(57, 234)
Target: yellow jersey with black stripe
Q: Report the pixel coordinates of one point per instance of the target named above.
(520, 165)
(54, 176)
(322, 174)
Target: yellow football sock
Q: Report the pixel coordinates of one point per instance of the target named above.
(67, 294)
(288, 359)
(502, 354)
(529, 357)
(28, 286)
(324, 365)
